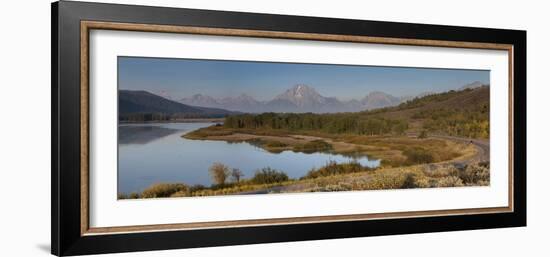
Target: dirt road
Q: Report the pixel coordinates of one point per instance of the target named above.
(483, 150)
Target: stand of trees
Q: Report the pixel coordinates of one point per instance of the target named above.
(138, 117)
(144, 117)
(340, 123)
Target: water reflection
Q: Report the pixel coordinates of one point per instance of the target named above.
(153, 153)
(132, 134)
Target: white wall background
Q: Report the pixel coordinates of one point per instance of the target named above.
(25, 128)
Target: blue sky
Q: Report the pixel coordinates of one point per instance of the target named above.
(180, 78)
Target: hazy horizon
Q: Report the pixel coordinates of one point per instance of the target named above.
(180, 78)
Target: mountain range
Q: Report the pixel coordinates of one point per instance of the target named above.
(300, 98)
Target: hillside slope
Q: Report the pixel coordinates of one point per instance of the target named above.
(142, 102)
(463, 113)
(464, 100)
(460, 113)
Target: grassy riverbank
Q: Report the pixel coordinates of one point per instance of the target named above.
(331, 178)
(394, 151)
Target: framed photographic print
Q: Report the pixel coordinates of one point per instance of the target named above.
(178, 128)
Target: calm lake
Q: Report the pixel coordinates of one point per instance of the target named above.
(156, 153)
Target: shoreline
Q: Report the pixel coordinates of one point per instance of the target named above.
(391, 150)
(416, 176)
(287, 143)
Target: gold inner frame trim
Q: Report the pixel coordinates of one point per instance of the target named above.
(86, 26)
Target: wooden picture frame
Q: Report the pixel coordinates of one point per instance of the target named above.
(71, 25)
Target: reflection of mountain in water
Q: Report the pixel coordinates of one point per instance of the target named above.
(142, 134)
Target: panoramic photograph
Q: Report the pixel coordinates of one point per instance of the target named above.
(194, 127)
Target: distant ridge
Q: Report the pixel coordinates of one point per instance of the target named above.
(379, 99)
(302, 98)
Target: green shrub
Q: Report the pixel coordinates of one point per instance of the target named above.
(450, 181)
(275, 144)
(418, 155)
(213, 130)
(271, 146)
(184, 193)
(341, 186)
(423, 134)
(197, 187)
(313, 146)
(219, 173)
(134, 195)
(268, 175)
(162, 190)
(410, 181)
(385, 181)
(439, 171)
(236, 175)
(475, 174)
(425, 182)
(333, 168)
